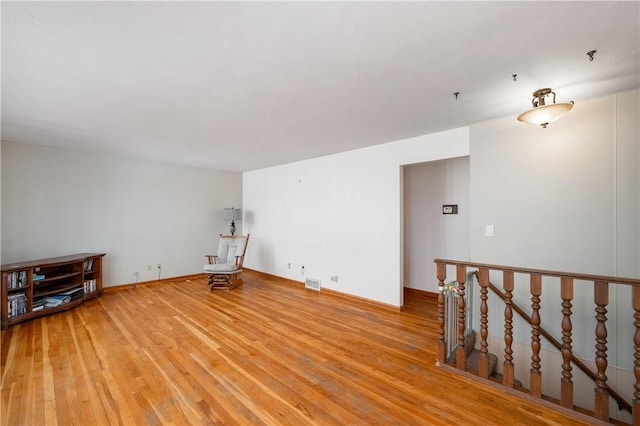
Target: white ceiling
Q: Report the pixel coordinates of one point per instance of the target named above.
(247, 85)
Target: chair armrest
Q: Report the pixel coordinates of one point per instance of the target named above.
(211, 258)
(239, 260)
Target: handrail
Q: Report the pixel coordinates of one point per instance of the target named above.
(622, 403)
(575, 275)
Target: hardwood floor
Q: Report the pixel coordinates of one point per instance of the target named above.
(266, 353)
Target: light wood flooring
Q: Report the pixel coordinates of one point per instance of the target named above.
(266, 353)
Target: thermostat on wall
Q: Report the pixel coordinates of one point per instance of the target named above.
(450, 209)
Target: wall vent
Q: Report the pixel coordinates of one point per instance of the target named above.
(312, 283)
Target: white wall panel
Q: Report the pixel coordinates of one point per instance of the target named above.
(564, 198)
(60, 201)
(339, 215)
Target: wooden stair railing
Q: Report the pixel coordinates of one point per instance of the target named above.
(622, 403)
(602, 391)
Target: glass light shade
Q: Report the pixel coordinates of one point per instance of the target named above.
(232, 214)
(545, 114)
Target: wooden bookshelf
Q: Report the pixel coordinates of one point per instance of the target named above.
(46, 286)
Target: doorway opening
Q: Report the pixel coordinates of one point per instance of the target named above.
(435, 210)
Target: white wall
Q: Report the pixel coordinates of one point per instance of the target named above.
(564, 198)
(59, 201)
(627, 183)
(339, 215)
(427, 232)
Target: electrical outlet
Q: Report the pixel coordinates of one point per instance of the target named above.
(136, 274)
(288, 266)
(159, 265)
(302, 271)
(148, 267)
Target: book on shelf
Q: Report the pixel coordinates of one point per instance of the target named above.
(56, 300)
(38, 277)
(17, 304)
(88, 265)
(16, 279)
(74, 293)
(38, 304)
(89, 286)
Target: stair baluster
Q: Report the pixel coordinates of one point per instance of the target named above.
(601, 403)
(483, 364)
(461, 356)
(535, 374)
(507, 368)
(566, 382)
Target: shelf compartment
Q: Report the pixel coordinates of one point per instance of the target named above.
(41, 312)
(41, 292)
(56, 277)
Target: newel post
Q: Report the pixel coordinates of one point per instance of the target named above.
(441, 275)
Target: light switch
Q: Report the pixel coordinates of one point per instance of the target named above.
(488, 231)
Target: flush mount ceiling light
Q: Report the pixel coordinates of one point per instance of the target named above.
(541, 113)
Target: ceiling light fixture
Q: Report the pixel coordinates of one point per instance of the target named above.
(541, 113)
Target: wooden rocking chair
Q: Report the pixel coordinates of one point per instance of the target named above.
(225, 268)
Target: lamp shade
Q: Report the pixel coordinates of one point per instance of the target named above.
(542, 113)
(545, 114)
(232, 214)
